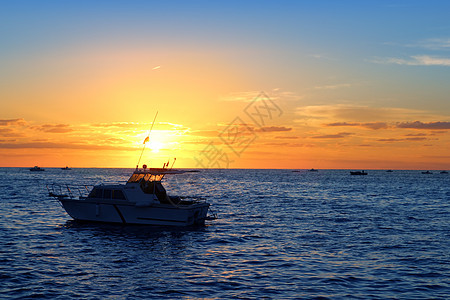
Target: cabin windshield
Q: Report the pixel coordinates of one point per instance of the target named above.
(136, 177)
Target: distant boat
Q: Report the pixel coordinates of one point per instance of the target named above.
(444, 172)
(358, 172)
(313, 170)
(66, 168)
(427, 172)
(389, 171)
(36, 168)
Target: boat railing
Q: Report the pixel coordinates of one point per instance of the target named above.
(61, 191)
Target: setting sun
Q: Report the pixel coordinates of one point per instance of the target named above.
(155, 146)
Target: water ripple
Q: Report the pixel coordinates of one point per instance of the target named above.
(280, 235)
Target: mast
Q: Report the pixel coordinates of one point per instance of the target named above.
(146, 140)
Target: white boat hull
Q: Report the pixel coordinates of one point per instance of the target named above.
(127, 213)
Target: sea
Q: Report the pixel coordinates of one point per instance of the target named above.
(279, 234)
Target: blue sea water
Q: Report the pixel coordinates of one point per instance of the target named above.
(280, 235)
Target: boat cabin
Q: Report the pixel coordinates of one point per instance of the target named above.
(139, 176)
(149, 182)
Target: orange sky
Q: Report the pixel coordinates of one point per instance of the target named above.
(81, 89)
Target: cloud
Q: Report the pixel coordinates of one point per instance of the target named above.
(433, 44)
(40, 145)
(286, 144)
(61, 128)
(8, 132)
(333, 136)
(402, 140)
(356, 113)
(438, 132)
(370, 125)
(321, 56)
(273, 129)
(416, 60)
(421, 125)
(416, 134)
(384, 125)
(332, 86)
(116, 124)
(241, 96)
(20, 122)
(375, 125)
(205, 133)
(54, 128)
(416, 139)
(389, 140)
(287, 137)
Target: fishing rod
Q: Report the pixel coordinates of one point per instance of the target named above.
(172, 163)
(146, 140)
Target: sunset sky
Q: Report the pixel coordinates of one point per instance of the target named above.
(236, 84)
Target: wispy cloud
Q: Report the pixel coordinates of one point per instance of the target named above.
(421, 125)
(432, 44)
(240, 96)
(273, 129)
(205, 133)
(402, 139)
(9, 122)
(321, 56)
(333, 136)
(8, 132)
(48, 145)
(287, 137)
(438, 125)
(415, 60)
(416, 134)
(115, 124)
(356, 113)
(372, 125)
(332, 86)
(53, 128)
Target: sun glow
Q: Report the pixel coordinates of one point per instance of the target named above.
(162, 144)
(155, 146)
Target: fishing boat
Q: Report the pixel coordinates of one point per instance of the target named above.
(427, 172)
(358, 172)
(313, 170)
(36, 169)
(141, 200)
(66, 168)
(443, 172)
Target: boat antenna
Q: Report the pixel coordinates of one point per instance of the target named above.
(172, 163)
(146, 140)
